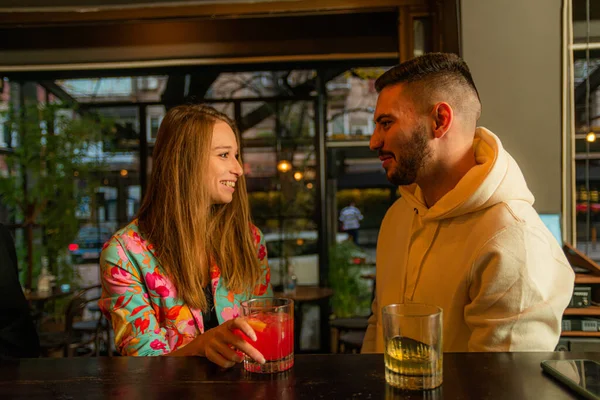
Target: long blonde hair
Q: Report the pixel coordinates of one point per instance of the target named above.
(177, 217)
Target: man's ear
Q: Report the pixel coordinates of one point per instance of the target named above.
(442, 116)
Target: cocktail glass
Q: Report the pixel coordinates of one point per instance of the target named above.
(273, 322)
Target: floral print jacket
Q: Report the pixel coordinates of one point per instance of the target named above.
(141, 302)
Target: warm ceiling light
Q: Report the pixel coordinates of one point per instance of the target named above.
(124, 172)
(590, 137)
(309, 185)
(284, 166)
(76, 173)
(298, 175)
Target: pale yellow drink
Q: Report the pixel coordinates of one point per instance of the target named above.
(413, 341)
(412, 365)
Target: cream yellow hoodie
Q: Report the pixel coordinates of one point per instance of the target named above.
(482, 254)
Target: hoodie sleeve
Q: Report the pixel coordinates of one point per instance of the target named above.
(520, 285)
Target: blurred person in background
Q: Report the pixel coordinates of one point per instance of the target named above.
(350, 217)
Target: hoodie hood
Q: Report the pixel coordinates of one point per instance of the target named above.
(495, 179)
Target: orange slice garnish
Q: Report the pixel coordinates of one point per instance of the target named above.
(257, 325)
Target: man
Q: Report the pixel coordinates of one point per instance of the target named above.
(350, 218)
(18, 337)
(464, 235)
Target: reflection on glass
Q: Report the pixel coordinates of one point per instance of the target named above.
(226, 108)
(351, 100)
(259, 122)
(392, 393)
(98, 90)
(232, 85)
(134, 195)
(422, 36)
(154, 116)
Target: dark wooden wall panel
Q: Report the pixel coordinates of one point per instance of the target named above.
(355, 33)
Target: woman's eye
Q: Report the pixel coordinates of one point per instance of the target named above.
(223, 155)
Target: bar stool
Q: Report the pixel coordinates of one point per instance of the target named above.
(347, 334)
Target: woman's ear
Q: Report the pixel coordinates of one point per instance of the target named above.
(442, 117)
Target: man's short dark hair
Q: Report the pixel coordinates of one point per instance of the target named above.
(432, 71)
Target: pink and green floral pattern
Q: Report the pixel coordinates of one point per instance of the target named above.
(141, 302)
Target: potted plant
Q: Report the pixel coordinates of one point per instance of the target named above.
(49, 171)
(351, 295)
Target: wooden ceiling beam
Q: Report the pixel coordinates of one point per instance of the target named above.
(192, 43)
(46, 15)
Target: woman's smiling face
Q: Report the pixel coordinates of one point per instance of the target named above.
(224, 168)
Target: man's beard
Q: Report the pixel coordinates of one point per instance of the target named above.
(414, 155)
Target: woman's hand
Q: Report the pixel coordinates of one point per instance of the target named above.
(218, 344)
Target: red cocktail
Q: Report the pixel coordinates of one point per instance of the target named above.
(273, 322)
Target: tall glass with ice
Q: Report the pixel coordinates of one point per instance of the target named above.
(273, 322)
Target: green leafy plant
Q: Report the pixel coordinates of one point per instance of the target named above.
(351, 295)
(50, 170)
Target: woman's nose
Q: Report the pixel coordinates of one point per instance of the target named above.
(237, 169)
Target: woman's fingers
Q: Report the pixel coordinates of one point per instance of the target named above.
(227, 352)
(243, 345)
(214, 356)
(223, 343)
(243, 326)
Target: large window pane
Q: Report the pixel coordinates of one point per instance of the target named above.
(586, 73)
(286, 210)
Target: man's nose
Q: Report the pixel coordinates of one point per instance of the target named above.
(375, 142)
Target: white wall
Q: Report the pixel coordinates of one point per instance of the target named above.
(513, 48)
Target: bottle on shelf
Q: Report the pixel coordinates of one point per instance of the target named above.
(46, 279)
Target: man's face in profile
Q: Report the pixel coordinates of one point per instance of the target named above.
(400, 137)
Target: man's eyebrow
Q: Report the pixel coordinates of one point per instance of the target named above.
(382, 116)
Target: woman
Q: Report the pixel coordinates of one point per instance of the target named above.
(173, 279)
